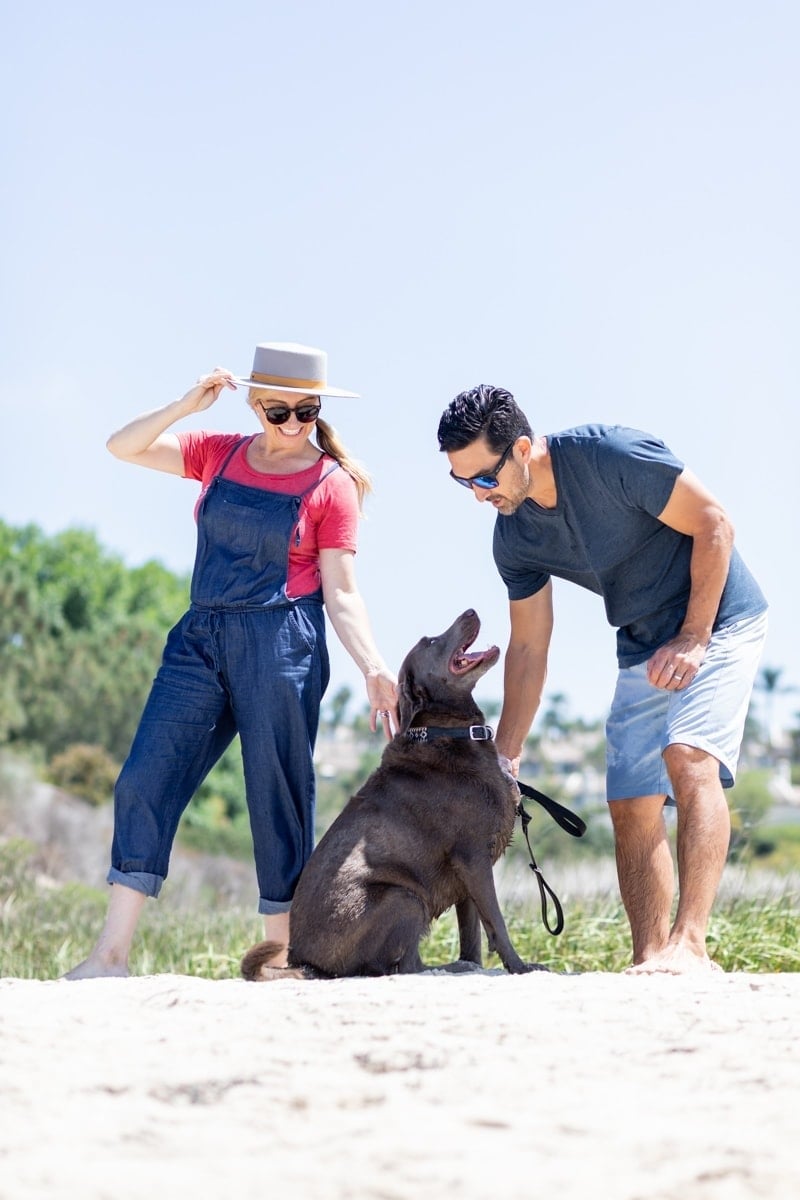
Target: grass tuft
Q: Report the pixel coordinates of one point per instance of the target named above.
(46, 929)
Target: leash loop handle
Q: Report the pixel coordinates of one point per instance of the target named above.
(546, 893)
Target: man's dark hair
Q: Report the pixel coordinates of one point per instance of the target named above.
(483, 411)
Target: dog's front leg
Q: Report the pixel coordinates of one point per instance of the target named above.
(469, 932)
(479, 881)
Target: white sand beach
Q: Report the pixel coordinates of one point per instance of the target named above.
(476, 1086)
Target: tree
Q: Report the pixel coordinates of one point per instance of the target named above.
(554, 720)
(768, 683)
(749, 803)
(80, 639)
(337, 706)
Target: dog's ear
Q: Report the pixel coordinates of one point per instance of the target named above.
(410, 698)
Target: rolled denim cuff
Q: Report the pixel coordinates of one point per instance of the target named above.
(137, 881)
(266, 907)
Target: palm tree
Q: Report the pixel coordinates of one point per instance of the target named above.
(768, 683)
(337, 706)
(554, 721)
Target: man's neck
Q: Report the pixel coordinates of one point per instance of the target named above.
(542, 489)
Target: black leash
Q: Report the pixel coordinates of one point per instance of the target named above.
(569, 822)
(562, 816)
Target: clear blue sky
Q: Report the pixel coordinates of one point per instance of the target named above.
(594, 205)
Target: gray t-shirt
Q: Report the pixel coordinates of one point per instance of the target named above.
(604, 534)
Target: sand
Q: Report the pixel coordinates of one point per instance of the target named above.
(479, 1086)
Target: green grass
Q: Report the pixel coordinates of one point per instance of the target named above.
(46, 930)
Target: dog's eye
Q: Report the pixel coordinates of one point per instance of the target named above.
(432, 641)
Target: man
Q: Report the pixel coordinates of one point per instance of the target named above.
(615, 511)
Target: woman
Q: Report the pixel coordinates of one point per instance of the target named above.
(276, 520)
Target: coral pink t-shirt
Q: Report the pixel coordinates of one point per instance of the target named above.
(329, 513)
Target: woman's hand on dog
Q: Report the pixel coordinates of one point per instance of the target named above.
(382, 693)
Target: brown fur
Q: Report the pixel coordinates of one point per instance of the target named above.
(422, 834)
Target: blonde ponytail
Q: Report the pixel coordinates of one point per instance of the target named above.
(329, 443)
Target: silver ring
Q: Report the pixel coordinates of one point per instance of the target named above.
(678, 677)
(383, 712)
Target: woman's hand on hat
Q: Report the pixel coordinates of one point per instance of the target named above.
(207, 389)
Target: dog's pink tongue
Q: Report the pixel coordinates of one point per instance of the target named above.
(464, 660)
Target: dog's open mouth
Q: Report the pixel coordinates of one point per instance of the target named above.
(463, 661)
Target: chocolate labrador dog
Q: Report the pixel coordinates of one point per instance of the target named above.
(421, 835)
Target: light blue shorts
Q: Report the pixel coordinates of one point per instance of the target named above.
(709, 714)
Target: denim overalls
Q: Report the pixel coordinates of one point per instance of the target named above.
(245, 658)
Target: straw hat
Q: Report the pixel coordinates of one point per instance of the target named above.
(289, 367)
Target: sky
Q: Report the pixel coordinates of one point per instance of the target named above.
(593, 205)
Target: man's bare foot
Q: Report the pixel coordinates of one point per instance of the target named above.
(93, 968)
(674, 960)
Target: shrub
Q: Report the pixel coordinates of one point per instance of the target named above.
(749, 803)
(86, 771)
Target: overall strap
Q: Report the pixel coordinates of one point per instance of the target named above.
(233, 450)
(325, 474)
(298, 500)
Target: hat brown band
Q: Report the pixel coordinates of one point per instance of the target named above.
(286, 381)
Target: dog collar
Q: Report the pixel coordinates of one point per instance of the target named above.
(427, 733)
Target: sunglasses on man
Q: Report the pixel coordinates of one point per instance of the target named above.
(486, 479)
(279, 414)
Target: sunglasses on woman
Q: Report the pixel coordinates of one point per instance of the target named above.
(279, 414)
(486, 479)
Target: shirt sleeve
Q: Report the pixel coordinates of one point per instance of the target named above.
(204, 452)
(640, 467)
(336, 513)
(521, 580)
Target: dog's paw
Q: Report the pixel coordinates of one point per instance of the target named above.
(523, 968)
(460, 967)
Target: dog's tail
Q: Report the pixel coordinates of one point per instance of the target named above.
(254, 966)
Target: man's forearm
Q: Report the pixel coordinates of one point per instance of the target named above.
(710, 562)
(525, 674)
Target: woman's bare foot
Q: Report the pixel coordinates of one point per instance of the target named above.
(109, 957)
(94, 968)
(276, 929)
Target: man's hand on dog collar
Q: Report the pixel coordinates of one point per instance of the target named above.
(509, 766)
